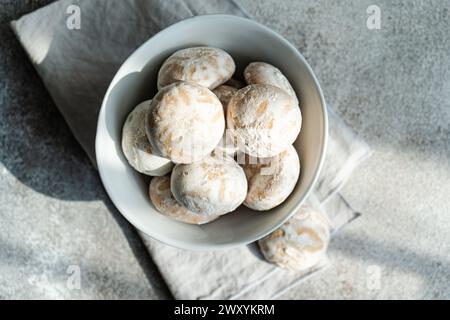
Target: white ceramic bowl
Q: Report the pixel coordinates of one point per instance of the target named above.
(135, 81)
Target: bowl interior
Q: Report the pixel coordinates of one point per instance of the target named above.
(246, 41)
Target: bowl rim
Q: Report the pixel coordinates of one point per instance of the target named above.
(222, 246)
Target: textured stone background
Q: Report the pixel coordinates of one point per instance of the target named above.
(53, 209)
(391, 85)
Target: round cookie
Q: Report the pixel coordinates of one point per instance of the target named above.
(271, 180)
(206, 66)
(165, 203)
(300, 243)
(137, 148)
(225, 93)
(185, 122)
(225, 148)
(210, 186)
(264, 120)
(264, 73)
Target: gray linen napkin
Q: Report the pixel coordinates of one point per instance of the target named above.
(77, 65)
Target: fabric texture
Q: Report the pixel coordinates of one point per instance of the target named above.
(77, 65)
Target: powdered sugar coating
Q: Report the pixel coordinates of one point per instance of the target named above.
(227, 146)
(263, 119)
(210, 186)
(137, 148)
(165, 203)
(264, 73)
(271, 180)
(300, 243)
(206, 66)
(225, 93)
(185, 122)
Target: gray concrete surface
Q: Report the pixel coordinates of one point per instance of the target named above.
(54, 217)
(391, 85)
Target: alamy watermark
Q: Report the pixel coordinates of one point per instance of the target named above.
(373, 280)
(74, 277)
(373, 21)
(73, 21)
